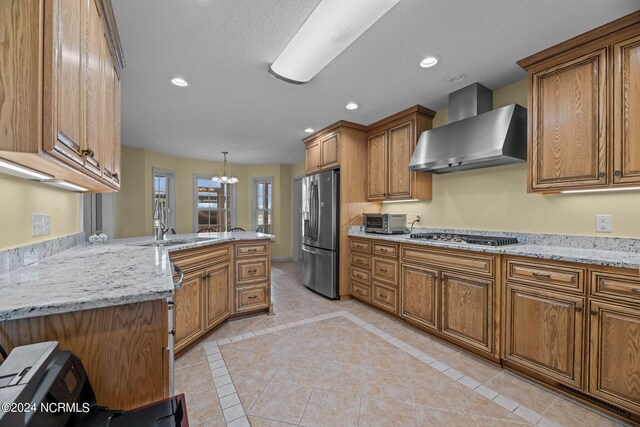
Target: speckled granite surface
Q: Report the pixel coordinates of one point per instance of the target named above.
(98, 275)
(609, 251)
(10, 259)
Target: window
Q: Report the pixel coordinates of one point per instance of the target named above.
(263, 204)
(214, 205)
(163, 196)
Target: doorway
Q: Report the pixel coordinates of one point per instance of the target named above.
(297, 219)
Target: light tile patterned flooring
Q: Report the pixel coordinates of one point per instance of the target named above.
(329, 363)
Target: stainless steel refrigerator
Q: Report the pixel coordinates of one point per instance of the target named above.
(320, 200)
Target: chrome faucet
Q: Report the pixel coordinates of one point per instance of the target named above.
(159, 227)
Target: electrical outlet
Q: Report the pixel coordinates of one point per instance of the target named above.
(37, 224)
(603, 223)
(413, 217)
(46, 224)
(418, 217)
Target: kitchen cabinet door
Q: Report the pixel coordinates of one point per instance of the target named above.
(377, 167)
(401, 142)
(94, 55)
(569, 125)
(614, 360)
(467, 310)
(64, 80)
(329, 151)
(217, 283)
(419, 295)
(117, 120)
(189, 319)
(544, 332)
(312, 159)
(626, 110)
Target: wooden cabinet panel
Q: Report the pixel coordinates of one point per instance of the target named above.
(552, 276)
(400, 148)
(249, 298)
(68, 21)
(544, 332)
(363, 261)
(312, 157)
(385, 249)
(626, 133)
(360, 245)
(329, 151)
(419, 295)
(569, 124)
(188, 311)
(195, 259)
(253, 270)
(117, 129)
(457, 260)
(106, 127)
(385, 296)
(614, 368)
(616, 286)
(217, 282)
(361, 290)
(467, 310)
(385, 270)
(377, 167)
(253, 249)
(95, 56)
(360, 274)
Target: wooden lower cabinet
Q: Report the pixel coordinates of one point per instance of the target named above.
(467, 310)
(361, 290)
(544, 333)
(385, 296)
(189, 319)
(251, 298)
(217, 283)
(419, 292)
(614, 360)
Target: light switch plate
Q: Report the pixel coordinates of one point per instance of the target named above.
(603, 223)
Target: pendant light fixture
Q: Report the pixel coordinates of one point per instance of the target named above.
(224, 178)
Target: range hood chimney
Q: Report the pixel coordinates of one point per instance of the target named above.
(476, 136)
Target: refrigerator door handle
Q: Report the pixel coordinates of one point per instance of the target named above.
(310, 251)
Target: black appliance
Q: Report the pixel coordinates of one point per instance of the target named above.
(41, 386)
(466, 238)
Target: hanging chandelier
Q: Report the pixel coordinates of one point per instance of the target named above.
(224, 178)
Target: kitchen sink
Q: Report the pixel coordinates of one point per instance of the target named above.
(174, 242)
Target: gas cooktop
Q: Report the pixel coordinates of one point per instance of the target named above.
(466, 238)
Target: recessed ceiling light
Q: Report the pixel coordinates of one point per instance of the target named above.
(177, 81)
(308, 130)
(351, 106)
(429, 62)
(457, 78)
(329, 30)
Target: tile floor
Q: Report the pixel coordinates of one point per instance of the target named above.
(318, 362)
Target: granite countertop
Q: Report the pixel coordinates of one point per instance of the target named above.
(99, 275)
(608, 257)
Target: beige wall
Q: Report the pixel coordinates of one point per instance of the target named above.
(20, 198)
(133, 202)
(497, 199)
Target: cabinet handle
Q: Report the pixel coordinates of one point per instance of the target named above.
(116, 176)
(546, 276)
(601, 175)
(252, 250)
(88, 152)
(635, 290)
(383, 271)
(618, 173)
(594, 312)
(578, 309)
(253, 271)
(382, 295)
(253, 297)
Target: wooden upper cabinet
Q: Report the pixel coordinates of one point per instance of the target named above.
(391, 145)
(329, 151)
(377, 167)
(584, 96)
(58, 114)
(419, 295)
(312, 159)
(323, 153)
(568, 145)
(626, 111)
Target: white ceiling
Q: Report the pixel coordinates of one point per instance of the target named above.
(224, 48)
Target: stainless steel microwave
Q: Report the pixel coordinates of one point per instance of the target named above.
(385, 223)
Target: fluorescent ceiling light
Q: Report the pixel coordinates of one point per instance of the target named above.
(330, 29)
(429, 62)
(308, 130)
(65, 185)
(21, 172)
(351, 106)
(599, 190)
(177, 81)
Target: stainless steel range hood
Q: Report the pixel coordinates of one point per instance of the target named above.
(476, 136)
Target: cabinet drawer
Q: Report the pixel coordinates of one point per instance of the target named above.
(385, 269)
(252, 249)
(385, 297)
(452, 260)
(360, 275)
(193, 259)
(385, 249)
(360, 260)
(550, 276)
(360, 245)
(616, 286)
(254, 270)
(361, 290)
(251, 297)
